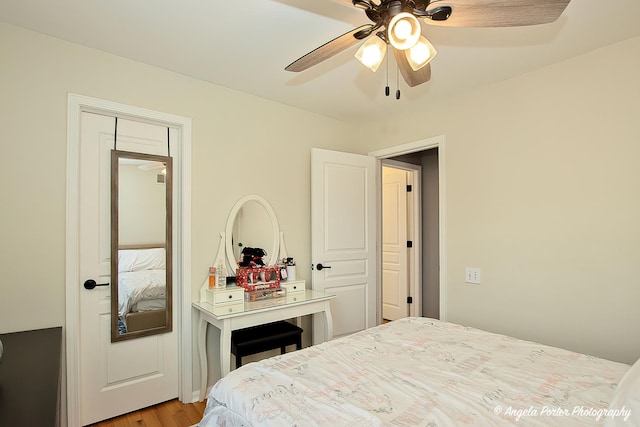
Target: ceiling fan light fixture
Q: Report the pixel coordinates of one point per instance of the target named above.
(403, 30)
(371, 53)
(149, 166)
(420, 54)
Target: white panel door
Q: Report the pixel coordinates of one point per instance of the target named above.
(115, 378)
(343, 228)
(394, 244)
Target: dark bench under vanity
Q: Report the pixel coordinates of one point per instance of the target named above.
(261, 338)
(30, 378)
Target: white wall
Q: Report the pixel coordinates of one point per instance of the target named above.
(541, 183)
(542, 194)
(241, 145)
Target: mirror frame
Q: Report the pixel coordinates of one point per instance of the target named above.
(116, 155)
(272, 252)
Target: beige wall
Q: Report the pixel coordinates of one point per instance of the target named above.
(241, 145)
(541, 183)
(543, 194)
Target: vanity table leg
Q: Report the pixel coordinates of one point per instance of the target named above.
(328, 322)
(225, 348)
(202, 352)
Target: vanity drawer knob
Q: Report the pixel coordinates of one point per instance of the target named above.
(230, 296)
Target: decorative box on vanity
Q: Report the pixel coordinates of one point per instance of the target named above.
(259, 278)
(264, 294)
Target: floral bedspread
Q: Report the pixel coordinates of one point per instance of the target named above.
(418, 372)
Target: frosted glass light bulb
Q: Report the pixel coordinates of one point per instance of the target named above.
(402, 30)
(420, 54)
(371, 53)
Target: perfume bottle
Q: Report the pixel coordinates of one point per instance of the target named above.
(212, 277)
(221, 281)
(291, 269)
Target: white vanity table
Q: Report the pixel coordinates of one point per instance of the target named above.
(226, 309)
(230, 317)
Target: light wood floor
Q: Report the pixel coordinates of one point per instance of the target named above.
(168, 414)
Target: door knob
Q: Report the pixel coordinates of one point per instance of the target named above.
(320, 267)
(90, 284)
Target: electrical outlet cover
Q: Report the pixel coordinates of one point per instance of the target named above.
(472, 275)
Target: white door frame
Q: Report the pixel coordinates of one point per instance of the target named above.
(408, 148)
(415, 256)
(76, 105)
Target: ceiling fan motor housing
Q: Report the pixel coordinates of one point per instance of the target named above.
(387, 15)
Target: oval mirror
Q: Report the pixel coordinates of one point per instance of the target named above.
(141, 246)
(252, 223)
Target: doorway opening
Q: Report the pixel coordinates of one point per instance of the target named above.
(422, 162)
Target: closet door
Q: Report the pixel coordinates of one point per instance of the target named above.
(343, 228)
(395, 285)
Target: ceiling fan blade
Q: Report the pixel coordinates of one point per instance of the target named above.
(413, 78)
(347, 2)
(362, 4)
(499, 13)
(440, 13)
(327, 50)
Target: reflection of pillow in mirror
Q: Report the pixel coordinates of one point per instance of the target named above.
(141, 259)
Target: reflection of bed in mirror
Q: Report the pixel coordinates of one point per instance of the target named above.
(141, 236)
(141, 287)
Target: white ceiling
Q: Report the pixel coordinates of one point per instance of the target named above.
(245, 45)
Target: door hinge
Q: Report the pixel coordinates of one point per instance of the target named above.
(409, 300)
(409, 188)
(409, 243)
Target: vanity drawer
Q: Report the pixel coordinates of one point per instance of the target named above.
(294, 286)
(228, 295)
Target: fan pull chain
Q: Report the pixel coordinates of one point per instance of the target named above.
(386, 89)
(397, 82)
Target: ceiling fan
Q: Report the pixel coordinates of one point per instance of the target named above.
(396, 23)
(151, 165)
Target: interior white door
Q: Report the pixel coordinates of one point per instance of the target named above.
(115, 378)
(395, 282)
(343, 248)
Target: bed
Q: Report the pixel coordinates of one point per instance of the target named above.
(142, 279)
(426, 372)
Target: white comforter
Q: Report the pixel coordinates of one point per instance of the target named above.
(417, 372)
(137, 286)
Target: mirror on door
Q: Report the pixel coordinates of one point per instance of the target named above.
(141, 265)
